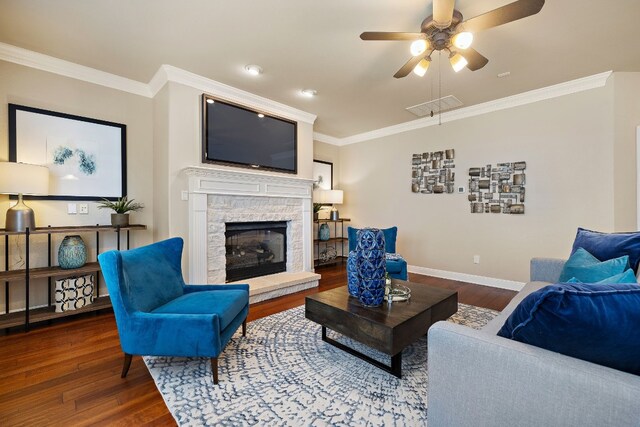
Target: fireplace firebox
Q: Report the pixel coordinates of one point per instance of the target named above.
(255, 249)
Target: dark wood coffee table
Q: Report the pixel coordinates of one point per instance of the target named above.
(386, 329)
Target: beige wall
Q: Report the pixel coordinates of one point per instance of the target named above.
(626, 120)
(161, 164)
(568, 144)
(30, 87)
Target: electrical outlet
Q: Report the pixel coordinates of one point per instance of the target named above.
(72, 208)
(476, 259)
(184, 195)
(83, 208)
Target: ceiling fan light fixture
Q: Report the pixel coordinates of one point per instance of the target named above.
(458, 62)
(422, 67)
(462, 40)
(418, 47)
(254, 70)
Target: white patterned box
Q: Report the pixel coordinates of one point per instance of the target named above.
(74, 293)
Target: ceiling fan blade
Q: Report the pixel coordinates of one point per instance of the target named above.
(502, 15)
(379, 35)
(409, 66)
(474, 58)
(443, 12)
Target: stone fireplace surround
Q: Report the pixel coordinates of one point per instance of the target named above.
(218, 196)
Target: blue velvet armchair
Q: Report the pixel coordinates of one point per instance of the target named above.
(157, 314)
(397, 268)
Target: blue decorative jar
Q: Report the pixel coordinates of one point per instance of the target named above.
(353, 281)
(72, 253)
(372, 266)
(323, 232)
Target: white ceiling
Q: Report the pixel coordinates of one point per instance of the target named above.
(315, 44)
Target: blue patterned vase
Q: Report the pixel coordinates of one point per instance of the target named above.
(353, 281)
(72, 253)
(372, 266)
(324, 232)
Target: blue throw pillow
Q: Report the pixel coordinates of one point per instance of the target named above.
(626, 277)
(390, 235)
(605, 246)
(597, 323)
(588, 269)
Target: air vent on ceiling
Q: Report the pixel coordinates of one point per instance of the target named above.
(445, 103)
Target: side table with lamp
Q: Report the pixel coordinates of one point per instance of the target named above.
(330, 250)
(330, 197)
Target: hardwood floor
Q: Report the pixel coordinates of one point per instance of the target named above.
(68, 373)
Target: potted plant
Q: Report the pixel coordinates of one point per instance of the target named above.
(316, 209)
(121, 207)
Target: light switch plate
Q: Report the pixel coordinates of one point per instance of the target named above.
(184, 195)
(72, 208)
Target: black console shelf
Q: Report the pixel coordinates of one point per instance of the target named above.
(33, 315)
(337, 241)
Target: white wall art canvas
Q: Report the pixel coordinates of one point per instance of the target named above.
(322, 175)
(85, 157)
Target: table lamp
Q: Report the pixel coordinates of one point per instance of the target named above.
(22, 178)
(330, 197)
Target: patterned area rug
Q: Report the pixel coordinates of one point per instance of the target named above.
(282, 373)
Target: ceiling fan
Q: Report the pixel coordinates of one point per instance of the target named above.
(446, 30)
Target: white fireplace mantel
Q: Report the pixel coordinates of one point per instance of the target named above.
(205, 181)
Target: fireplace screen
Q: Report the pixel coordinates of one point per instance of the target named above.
(255, 249)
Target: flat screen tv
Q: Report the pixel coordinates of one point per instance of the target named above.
(237, 136)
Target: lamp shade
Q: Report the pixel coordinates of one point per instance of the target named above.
(23, 178)
(422, 67)
(462, 40)
(418, 47)
(458, 62)
(333, 197)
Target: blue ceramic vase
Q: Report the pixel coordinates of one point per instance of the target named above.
(372, 266)
(72, 253)
(323, 232)
(353, 281)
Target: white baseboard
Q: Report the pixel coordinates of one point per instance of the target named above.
(469, 278)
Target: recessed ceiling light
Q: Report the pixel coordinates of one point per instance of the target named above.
(260, 115)
(310, 93)
(254, 70)
(210, 101)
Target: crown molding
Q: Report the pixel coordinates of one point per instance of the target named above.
(169, 73)
(326, 138)
(165, 74)
(48, 63)
(549, 92)
(157, 82)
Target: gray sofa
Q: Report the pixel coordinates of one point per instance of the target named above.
(477, 378)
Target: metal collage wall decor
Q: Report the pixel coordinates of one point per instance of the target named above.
(433, 173)
(499, 189)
